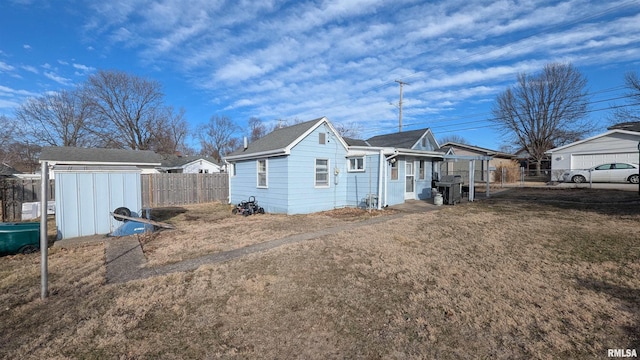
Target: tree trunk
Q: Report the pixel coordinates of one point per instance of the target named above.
(538, 167)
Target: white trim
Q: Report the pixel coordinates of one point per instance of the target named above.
(355, 170)
(315, 173)
(322, 120)
(266, 174)
(626, 132)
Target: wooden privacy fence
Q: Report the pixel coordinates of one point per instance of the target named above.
(167, 189)
(15, 192)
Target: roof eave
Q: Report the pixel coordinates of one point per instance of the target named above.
(257, 155)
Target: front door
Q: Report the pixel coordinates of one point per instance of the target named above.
(410, 183)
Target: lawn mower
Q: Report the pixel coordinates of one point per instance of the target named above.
(247, 208)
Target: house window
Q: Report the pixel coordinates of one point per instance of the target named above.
(394, 169)
(322, 137)
(424, 142)
(322, 173)
(356, 164)
(421, 169)
(262, 173)
(203, 171)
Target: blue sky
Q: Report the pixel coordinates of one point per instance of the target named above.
(307, 59)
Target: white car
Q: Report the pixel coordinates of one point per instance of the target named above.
(612, 172)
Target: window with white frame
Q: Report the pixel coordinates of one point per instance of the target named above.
(356, 164)
(421, 169)
(262, 173)
(394, 169)
(322, 173)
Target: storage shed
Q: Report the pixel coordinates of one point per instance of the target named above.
(91, 183)
(88, 194)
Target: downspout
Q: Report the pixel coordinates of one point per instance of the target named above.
(229, 179)
(380, 179)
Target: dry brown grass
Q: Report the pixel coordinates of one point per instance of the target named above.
(210, 228)
(528, 274)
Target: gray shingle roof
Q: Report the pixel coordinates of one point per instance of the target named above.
(65, 154)
(629, 126)
(6, 170)
(278, 139)
(404, 140)
(355, 142)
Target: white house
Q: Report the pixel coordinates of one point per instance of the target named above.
(612, 146)
(190, 165)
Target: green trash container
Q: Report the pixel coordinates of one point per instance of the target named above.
(19, 238)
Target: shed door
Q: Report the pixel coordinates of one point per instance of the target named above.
(410, 182)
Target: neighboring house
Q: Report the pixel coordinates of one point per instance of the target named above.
(629, 126)
(612, 146)
(8, 171)
(146, 161)
(490, 160)
(309, 167)
(527, 162)
(190, 165)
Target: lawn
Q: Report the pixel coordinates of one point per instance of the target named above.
(525, 274)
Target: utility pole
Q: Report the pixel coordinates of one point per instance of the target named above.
(402, 83)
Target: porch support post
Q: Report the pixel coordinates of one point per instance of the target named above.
(472, 180)
(488, 177)
(381, 178)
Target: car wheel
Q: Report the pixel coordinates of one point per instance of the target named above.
(28, 249)
(578, 179)
(634, 179)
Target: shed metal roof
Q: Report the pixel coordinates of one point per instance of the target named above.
(76, 155)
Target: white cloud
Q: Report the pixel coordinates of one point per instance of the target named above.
(6, 67)
(57, 78)
(29, 68)
(26, 47)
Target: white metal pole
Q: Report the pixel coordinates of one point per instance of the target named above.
(380, 177)
(488, 178)
(44, 243)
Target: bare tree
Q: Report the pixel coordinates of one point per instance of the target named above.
(25, 156)
(257, 129)
(130, 108)
(60, 118)
(350, 129)
(544, 110)
(217, 137)
(453, 138)
(7, 136)
(631, 112)
(174, 131)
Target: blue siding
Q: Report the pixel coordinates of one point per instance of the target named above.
(304, 196)
(395, 188)
(244, 184)
(360, 184)
(423, 187)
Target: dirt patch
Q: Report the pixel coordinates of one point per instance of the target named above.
(501, 278)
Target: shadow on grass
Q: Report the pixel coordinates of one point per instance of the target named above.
(602, 201)
(631, 300)
(166, 213)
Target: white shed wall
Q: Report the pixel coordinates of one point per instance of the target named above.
(84, 200)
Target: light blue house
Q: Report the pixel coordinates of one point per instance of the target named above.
(309, 167)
